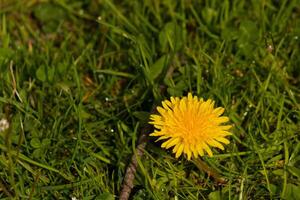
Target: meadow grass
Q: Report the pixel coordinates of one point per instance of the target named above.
(79, 78)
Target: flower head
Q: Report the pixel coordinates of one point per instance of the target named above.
(190, 125)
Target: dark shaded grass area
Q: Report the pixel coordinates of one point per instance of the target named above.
(78, 78)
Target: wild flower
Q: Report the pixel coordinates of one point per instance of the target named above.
(190, 125)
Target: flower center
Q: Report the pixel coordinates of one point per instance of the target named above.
(193, 126)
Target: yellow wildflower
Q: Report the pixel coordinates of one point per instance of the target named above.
(190, 125)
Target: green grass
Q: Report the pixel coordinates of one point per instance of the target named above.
(77, 79)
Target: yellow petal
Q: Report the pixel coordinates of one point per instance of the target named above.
(194, 151)
(203, 107)
(225, 128)
(164, 144)
(187, 151)
(165, 106)
(223, 140)
(220, 120)
(162, 138)
(218, 111)
(176, 148)
(161, 123)
(157, 133)
(168, 103)
(190, 96)
(157, 126)
(155, 117)
(215, 144)
(172, 100)
(176, 111)
(223, 133)
(171, 142)
(182, 105)
(200, 150)
(189, 155)
(209, 102)
(179, 150)
(160, 110)
(195, 99)
(211, 105)
(207, 149)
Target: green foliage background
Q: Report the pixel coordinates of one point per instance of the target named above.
(78, 79)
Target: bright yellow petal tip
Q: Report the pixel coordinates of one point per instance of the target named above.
(191, 126)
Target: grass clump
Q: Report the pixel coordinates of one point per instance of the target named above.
(79, 78)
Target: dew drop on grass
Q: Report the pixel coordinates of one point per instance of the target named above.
(3, 125)
(101, 76)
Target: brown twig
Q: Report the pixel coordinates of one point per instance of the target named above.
(131, 169)
(127, 184)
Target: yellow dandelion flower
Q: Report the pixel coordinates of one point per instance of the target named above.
(190, 125)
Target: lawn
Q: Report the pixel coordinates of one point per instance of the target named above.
(78, 80)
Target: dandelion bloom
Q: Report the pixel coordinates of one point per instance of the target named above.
(190, 125)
